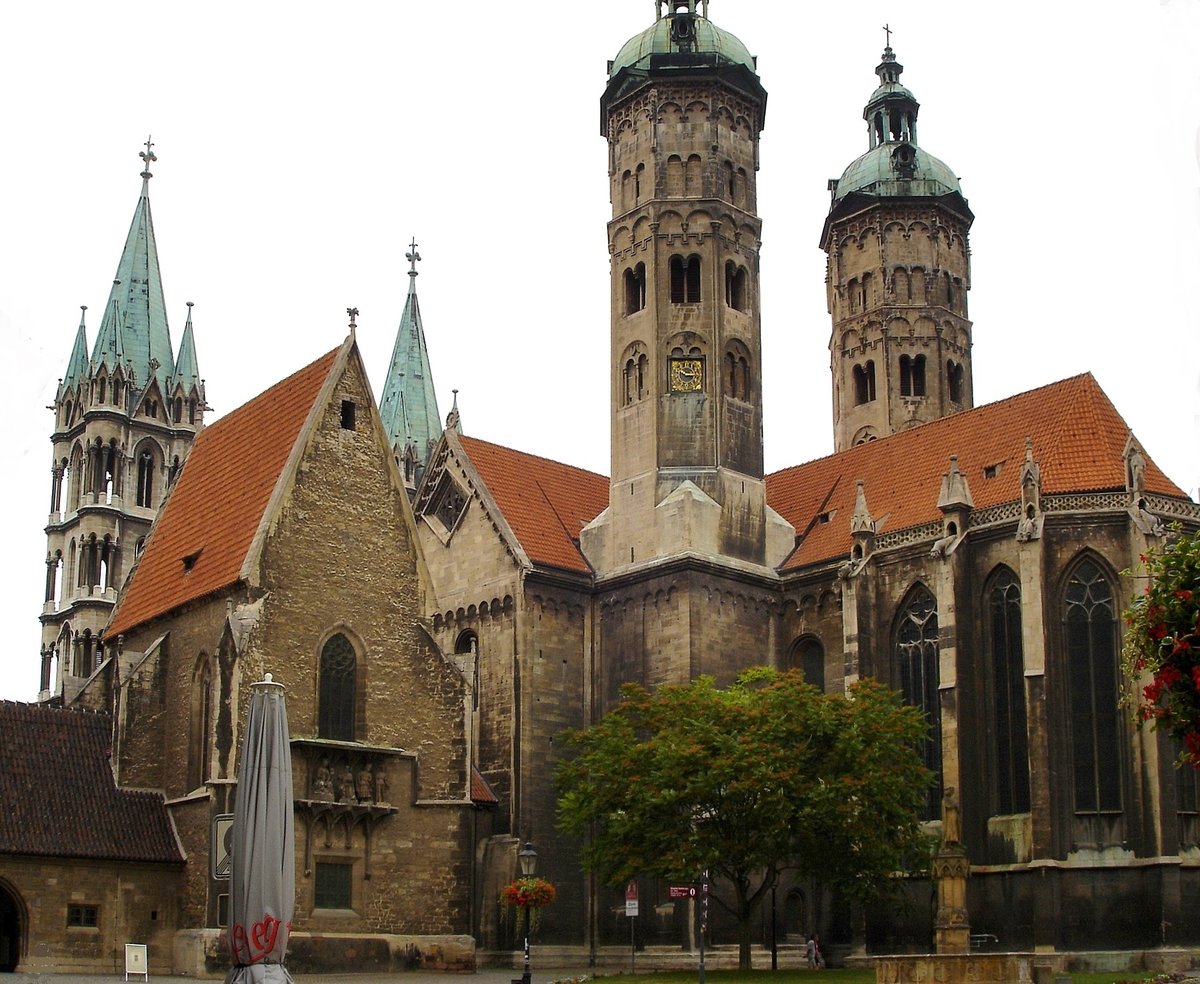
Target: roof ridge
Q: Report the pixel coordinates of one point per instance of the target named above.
(537, 457)
(939, 422)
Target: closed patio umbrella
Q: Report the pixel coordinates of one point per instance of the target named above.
(263, 873)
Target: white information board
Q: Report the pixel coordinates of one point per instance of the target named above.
(135, 960)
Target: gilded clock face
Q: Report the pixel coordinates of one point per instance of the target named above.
(687, 375)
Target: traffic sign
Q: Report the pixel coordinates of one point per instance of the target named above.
(631, 899)
(681, 892)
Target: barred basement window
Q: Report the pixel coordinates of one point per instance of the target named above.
(332, 885)
(84, 916)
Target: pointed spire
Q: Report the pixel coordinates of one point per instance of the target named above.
(861, 521)
(453, 419)
(955, 494)
(187, 369)
(408, 405)
(77, 365)
(135, 317)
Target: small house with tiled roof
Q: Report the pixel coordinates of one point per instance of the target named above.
(287, 546)
(68, 834)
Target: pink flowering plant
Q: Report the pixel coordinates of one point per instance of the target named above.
(527, 893)
(1163, 642)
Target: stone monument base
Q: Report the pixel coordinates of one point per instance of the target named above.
(951, 968)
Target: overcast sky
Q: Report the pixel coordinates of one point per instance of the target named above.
(301, 146)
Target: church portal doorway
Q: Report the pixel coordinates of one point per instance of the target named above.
(11, 929)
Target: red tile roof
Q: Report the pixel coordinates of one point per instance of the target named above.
(60, 800)
(1078, 442)
(545, 503)
(481, 792)
(219, 499)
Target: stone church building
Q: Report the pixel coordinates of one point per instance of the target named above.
(442, 607)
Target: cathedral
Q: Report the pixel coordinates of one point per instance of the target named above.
(441, 607)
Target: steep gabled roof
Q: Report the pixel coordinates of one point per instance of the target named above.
(59, 796)
(1078, 442)
(210, 523)
(545, 503)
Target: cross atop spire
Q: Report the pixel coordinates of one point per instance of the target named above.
(147, 157)
(413, 257)
(887, 30)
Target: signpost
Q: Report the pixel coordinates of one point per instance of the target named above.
(631, 911)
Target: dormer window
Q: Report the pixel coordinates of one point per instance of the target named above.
(189, 562)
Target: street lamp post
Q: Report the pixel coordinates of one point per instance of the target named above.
(528, 858)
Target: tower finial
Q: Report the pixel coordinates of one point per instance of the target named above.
(353, 312)
(887, 31)
(147, 157)
(413, 258)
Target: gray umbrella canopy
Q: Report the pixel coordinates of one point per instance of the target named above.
(263, 875)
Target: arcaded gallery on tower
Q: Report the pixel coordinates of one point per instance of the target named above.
(968, 556)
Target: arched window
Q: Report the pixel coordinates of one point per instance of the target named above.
(102, 395)
(192, 410)
(685, 279)
(735, 286)
(737, 372)
(954, 381)
(639, 178)
(730, 188)
(917, 660)
(336, 697)
(1008, 694)
(864, 383)
(674, 176)
(635, 289)
(145, 480)
(627, 191)
(200, 747)
(912, 375)
(694, 177)
(467, 645)
(808, 656)
(1090, 624)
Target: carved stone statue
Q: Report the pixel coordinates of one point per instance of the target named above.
(346, 789)
(381, 787)
(364, 785)
(322, 784)
(951, 827)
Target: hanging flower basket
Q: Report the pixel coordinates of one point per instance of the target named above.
(530, 894)
(1163, 640)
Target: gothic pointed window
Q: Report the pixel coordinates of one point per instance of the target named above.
(1011, 745)
(1090, 628)
(467, 647)
(336, 689)
(145, 480)
(916, 650)
(200, 750)
(864, 382)
(808, 656)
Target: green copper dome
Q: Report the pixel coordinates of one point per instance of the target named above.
(897, 170)
(657, 39)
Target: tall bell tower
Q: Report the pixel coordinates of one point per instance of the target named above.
(897, 277)
(682, 114)
(125, 418)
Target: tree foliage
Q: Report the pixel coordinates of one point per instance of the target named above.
(1163, 643)
(766, 774)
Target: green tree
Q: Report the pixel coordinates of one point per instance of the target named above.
(766, 774)
(1161, 656)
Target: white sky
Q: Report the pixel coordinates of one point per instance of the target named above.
(302, 145)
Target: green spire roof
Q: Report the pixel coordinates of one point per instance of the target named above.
(409, 405)
(77, 365)
(682, 35)
(134, 329)
(187, 369)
